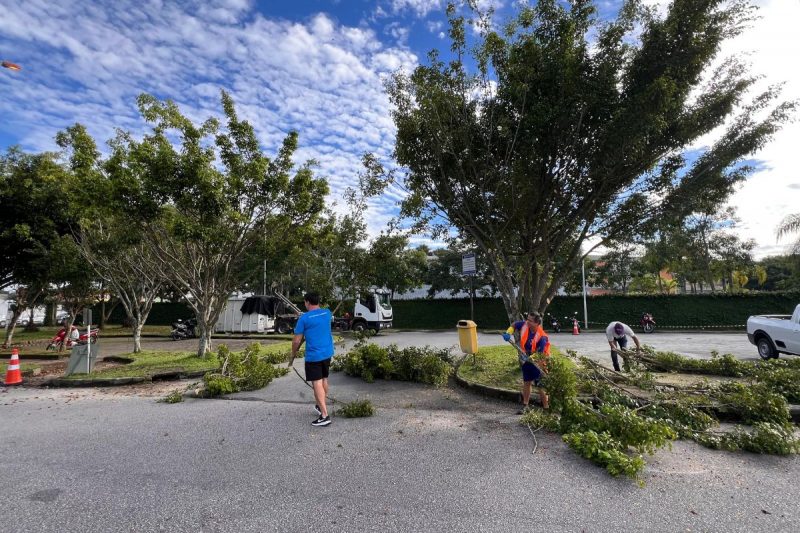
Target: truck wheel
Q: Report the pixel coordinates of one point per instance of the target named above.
(283, 328)
(359, 327)
(765, 348)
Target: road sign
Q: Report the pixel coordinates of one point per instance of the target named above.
(468, 264)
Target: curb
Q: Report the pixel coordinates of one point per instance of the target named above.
(486, 390)
(116, 382)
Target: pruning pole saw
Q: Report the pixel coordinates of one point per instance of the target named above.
(523, 357)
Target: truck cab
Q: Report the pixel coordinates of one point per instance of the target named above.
(372, 311)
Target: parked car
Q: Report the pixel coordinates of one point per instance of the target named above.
(775, 334)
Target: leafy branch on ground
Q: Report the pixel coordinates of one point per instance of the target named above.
(250, 369)
(614, 419)
(428, 365)
(175, 396)
(779, 375)
(356, 409)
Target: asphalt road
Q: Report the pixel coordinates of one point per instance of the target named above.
(429, 460)
(592, 344)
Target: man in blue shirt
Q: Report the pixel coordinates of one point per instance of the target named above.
(314, 328)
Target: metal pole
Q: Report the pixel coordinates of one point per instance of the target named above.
(583, 279)
(264, 286)
(471, 304)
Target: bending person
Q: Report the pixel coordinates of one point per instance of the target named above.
(532, 339)
(617, 334)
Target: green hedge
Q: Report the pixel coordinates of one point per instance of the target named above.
(162, 314)
(670, 312)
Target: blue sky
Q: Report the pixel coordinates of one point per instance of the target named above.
(311, 65)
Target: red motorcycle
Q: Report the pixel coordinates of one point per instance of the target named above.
(648, 323)
(76, 337)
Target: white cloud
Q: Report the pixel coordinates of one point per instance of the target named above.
(772, 193)
(420, 8)
(87, 63)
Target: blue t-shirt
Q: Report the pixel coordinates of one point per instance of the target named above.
(315, 326)
(540, 346)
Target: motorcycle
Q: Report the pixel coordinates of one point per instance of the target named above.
(648, 323)
(555, 325)
(75, 337)
(184, 329)
(575, 322)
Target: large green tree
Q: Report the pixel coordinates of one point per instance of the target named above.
(108, 239)
(202, 195)
(562, 129)
(35, 216)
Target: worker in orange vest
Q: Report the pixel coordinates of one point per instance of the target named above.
(532, 339)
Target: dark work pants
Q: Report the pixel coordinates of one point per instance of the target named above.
(623, 343)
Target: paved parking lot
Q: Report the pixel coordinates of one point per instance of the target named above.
(430, 460)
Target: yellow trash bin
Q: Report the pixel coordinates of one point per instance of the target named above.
(468, 336)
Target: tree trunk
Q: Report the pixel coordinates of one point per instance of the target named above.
(31, 315)
(204, 344)
(137, 335)
(50, 314)
(101, 324)
(12, 325)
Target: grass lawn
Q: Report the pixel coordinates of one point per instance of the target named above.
(115, 330)
(26, 367)
(495, 366)
(147, 363)
(33, 352)
(45, 332)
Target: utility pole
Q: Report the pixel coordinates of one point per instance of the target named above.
(583, 284)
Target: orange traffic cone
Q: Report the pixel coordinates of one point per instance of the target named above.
(575, 330)
(13, 375)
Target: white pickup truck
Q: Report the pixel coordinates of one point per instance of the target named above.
(775, 334)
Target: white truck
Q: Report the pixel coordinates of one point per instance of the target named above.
(372, 311)
(775, 334)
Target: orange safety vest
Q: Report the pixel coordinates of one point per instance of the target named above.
(538, 334)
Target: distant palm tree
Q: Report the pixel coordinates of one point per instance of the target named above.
(790, 224)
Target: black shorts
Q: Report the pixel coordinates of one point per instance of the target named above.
(316, 370)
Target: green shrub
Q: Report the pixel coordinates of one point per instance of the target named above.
(421, 365)
(367, 361)
(356, 409)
